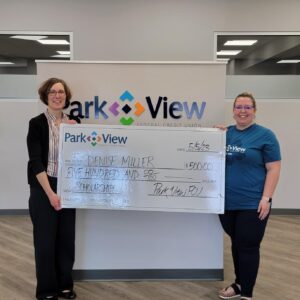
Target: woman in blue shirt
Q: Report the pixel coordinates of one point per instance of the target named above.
(252, 172)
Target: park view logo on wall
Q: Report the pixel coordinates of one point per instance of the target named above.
(162, 107)
(94, 138)
(102, 109)
(126, 96)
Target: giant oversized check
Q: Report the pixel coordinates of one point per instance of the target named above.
(142, 168)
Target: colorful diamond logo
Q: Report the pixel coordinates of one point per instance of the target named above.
(94, 138)
(137, 108)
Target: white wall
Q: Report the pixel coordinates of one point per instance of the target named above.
(148, 30)
(270, 87)
(108, 239)
(14, 117)
(18, 87)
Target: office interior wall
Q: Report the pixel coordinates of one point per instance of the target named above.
(17, 87)
(270, 87)
(150, 30)
(14, 118)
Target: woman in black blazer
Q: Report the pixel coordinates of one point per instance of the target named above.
(53, 227)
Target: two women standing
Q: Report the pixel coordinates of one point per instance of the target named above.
(252, 172)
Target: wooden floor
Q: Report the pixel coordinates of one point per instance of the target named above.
(279, 275)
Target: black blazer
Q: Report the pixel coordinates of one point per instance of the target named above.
(38, 147)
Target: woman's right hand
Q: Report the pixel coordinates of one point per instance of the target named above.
(55, 201)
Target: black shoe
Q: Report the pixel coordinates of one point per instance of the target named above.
(67, 295)
(48, 298)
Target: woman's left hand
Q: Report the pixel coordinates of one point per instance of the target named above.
(263, 209)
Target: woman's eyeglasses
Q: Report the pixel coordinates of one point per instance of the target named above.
(53, 93)
(245, 107)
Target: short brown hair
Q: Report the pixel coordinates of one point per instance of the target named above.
(46, 86)
(247, 95)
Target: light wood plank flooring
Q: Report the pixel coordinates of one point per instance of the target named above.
(279, 275)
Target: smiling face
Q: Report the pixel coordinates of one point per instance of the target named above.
(56, 98)
(244, 112)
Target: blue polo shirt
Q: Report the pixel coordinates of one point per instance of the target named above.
(247, 152)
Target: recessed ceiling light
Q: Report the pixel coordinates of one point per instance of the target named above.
(228, 52)
(240, 43)
(29, 37)
(64, 52)
(61, 56)
(53, 42)
(223, 59)
(288, 61)
(6, 63)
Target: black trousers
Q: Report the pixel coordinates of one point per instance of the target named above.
(54, 243)
(246, 231)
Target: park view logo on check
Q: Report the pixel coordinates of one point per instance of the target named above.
(95, 139)
(127, 109)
